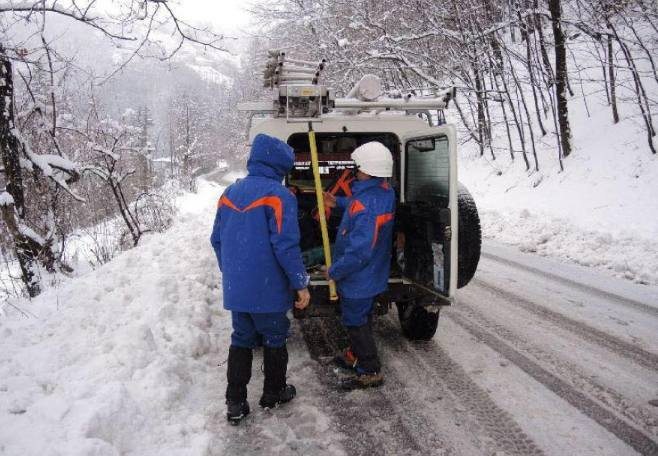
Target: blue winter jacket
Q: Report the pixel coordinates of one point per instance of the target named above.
(256, 234)
(362, 252)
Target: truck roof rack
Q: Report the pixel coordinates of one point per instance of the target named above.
(299, 95)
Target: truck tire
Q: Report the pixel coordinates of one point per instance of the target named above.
(416, 321)
(470, 237)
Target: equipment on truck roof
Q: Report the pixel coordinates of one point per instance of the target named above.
(299, 95)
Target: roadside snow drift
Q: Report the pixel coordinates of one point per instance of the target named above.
(130, 359)
(599, 212)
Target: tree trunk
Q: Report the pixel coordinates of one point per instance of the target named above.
(505, 119)
(12, 214)
(479, 95)
(642, 98)
(10, 146)
(542, 48)
(521, 99)
(560, 76)
(531, 74)
(640, 42)
(611, 77)
(604, 69)
(517, 121)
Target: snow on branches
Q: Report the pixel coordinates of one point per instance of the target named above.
(517, 65)
(43, 143)
(60, 170)
(6, 199)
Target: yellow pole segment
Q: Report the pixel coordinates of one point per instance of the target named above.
(319, 192)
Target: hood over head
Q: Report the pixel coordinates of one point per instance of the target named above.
(270, 157)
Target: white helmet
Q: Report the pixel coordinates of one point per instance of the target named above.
(374, 159)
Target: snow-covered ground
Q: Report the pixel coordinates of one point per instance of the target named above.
(130, 359)
(535, 358)
(600, 212)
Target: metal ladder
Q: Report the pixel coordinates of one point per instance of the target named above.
(299, 95)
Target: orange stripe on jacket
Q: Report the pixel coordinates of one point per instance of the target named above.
(271, 201)
(356, 207)
(224, 201)
(379, 222)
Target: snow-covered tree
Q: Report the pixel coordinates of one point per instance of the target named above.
(38, 152)
(514, 63)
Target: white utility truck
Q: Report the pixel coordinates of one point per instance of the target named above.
(437, 233)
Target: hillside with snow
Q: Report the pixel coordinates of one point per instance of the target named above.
(599, 212)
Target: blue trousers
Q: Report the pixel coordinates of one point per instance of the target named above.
(355, 312)
(251, 330)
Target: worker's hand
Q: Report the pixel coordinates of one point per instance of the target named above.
(303, 299)
(329, 200)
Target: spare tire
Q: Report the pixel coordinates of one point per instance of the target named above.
(470, 237)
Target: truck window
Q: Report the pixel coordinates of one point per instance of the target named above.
(334, 150)
(428, 170)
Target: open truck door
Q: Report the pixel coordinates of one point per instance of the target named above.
(427, 225)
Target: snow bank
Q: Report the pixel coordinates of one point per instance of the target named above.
(632, 258)
(130, 359)
(6, 199)
(601, 211)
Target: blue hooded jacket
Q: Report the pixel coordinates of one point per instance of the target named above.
(362, 252)
(256, 234)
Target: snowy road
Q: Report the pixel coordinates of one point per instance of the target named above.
(537, 357)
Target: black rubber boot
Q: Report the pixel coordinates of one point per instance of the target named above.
(364, 348)
(275, 389)
(238, 375)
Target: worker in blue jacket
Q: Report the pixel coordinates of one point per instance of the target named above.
(362, 255)
(256, 241)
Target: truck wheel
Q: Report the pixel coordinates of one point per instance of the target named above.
(470, 237)
(417, 322)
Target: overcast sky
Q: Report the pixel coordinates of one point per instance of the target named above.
(227, 16)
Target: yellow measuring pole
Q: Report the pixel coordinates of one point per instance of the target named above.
(319, 192)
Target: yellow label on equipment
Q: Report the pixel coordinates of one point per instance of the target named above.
(307, 92)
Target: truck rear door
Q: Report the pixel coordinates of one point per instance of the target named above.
(427, 213)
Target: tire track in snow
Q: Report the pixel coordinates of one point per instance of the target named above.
(505, 435)
(612, 297)
(371, 420)
(596, 336)
(609, 421)
(349, 415)
(610, 398)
